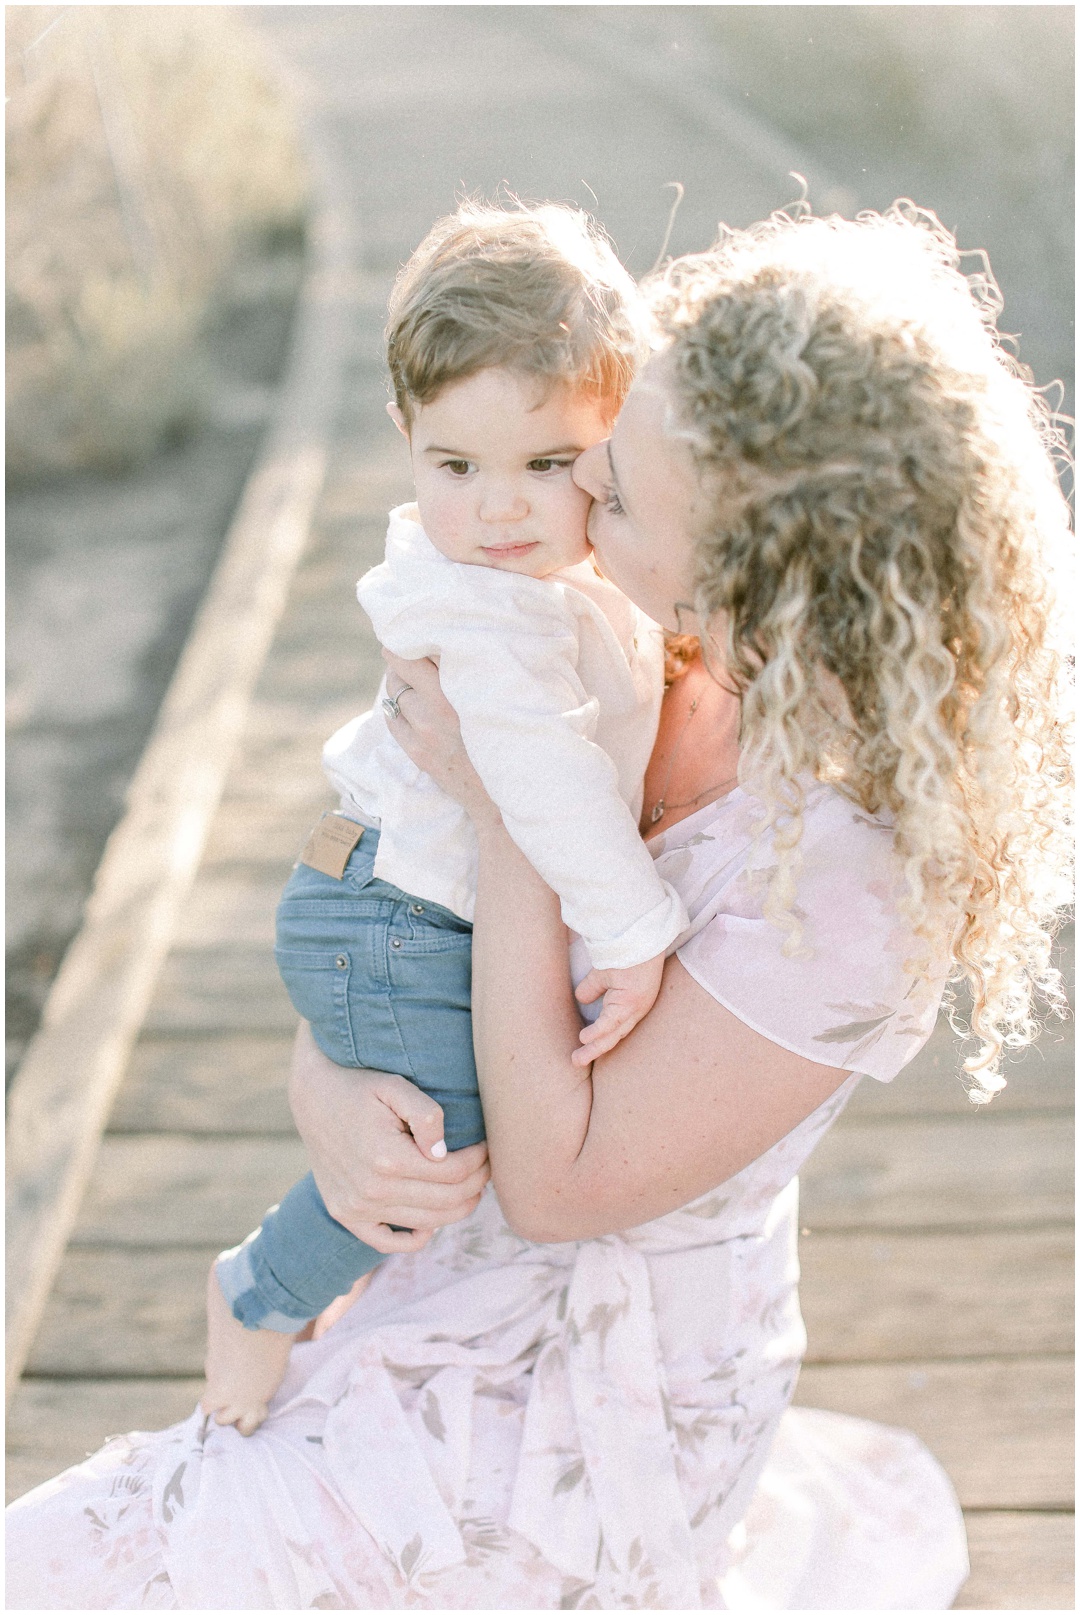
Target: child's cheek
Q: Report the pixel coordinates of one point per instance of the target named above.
(573, 518)
(578, 505)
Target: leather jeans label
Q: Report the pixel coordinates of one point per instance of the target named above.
(330, 845)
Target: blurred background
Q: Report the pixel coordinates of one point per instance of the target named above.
(157, 190)
(967, 109)
(149, 153)
(156, 195)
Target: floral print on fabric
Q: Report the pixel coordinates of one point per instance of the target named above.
(860, 991)
(596, 1425)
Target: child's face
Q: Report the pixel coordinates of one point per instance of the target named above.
(492, 458)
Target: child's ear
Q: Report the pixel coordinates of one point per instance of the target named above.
(398, 419)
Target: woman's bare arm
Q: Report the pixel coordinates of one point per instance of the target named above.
(688, 1099)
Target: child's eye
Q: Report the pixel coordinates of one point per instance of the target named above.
(613, 504)
(545, 463)
(456, 468)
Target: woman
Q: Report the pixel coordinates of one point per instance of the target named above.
(574, 1396)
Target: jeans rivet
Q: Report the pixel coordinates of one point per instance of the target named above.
(418, 908)
(342, 962)
(395, 943)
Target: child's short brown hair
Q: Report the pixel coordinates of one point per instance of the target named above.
(532, 289)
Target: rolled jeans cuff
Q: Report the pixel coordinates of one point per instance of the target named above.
(256, 1298)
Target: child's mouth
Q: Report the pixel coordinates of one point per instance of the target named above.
(506, 552)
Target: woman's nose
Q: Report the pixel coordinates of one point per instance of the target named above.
(590, 470)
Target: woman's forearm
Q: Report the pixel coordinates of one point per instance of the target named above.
(525, 1028)
(686, 1101)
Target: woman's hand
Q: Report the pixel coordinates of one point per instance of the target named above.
(427, 730)
(377, 1151)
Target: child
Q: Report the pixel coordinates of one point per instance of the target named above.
(512, 343)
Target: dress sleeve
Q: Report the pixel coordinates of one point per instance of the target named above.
(859, 992)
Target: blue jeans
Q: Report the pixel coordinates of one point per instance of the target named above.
(384, 980)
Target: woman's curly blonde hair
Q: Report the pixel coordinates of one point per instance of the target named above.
(881, 568)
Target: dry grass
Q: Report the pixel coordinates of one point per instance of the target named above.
(148, 149)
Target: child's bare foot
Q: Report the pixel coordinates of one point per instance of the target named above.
(244, 1367)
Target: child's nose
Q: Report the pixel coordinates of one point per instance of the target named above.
(503, 502)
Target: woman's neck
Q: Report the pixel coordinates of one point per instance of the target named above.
(695, 760)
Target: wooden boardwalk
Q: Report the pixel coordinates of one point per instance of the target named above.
(937, 1254)
(937, 1250)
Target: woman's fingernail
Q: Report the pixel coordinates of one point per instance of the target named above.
(438, 1150)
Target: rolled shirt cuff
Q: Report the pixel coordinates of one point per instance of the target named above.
(650, 935)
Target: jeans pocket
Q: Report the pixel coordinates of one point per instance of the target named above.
(317, 981)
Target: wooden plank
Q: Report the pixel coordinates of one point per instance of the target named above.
(120, 1312)
(983, 1170)
(326, 675)
(125, 1311)
(162, 1190)
(53, 1424)
(255, 830)
(1019, 1561)
(1003, 1430)
(323, 610)
(646, 72)
(279, 761)
(206, 1085)
(288, 775)
(232, 907)
(1000, 1293)
(146, 1188)
(225, 989)
(74, 1064)
(278, 726)
(372, 484)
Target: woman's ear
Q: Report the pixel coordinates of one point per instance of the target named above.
(398, 419)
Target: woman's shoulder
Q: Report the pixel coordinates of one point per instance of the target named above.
(849, 983)
(730, 839)
(836, 834)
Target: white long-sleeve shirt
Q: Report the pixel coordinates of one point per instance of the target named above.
(557, 682)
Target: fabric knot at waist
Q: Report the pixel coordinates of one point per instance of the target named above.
(596, 1490)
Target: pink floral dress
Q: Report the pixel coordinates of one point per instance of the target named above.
(596, 1425)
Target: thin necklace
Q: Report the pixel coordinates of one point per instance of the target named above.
(662, 805)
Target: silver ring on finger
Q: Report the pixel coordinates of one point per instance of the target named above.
(390, 702)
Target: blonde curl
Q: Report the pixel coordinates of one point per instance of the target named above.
(883, 570)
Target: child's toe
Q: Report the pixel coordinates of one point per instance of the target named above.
(250, 1420)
